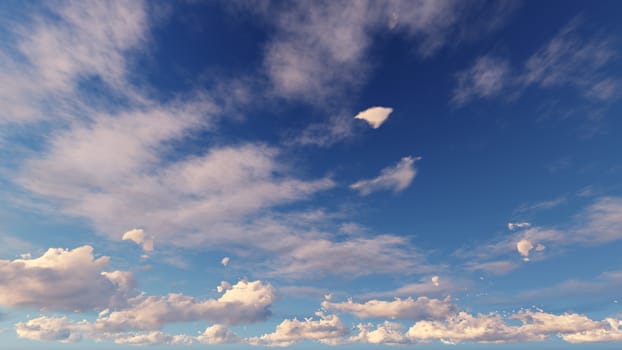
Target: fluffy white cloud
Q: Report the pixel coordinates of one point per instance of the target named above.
(406, 309)
(524, 247)
(328, 329)
(60, 329)
(218, 334)
(63, 279)
(436, 281)
(375, 116)
(244, 302)
(396, 178)
(225, 261)
(387, 333)
(138, 236)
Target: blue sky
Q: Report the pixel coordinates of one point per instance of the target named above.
(354, 174)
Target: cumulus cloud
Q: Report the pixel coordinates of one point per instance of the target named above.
(387, 333)
(60, 329)
(406, 309)
(396, 178)
(375, 116)
(63, 280)
(328, 329)
(524, 247)
(218, 334)
(138, 236)
(225, 261)
(244, 302)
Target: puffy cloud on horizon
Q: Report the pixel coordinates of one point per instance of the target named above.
(396, 178)
(244, 302)
(63, 280)
(328, 329)
(375, 116)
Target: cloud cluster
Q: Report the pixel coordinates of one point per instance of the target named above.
(596, 224)
(63, 280)
(328, 329)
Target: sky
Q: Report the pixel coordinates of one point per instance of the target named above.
(310, 174)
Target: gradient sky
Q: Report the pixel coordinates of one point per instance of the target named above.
(342, 174)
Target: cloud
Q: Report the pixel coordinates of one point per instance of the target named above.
(375, 116)
(396, 178)
(488, 77)
(60, 329)
(524, 247)
(138, 236)
(218, 334)
(405, 309)
(570, 58)
(435, 281)
(387, 333)
(225, 261)
(357, 256)
(245, 302)
(516, 225)
(428, 286)
(63, 280)
(42, 69)
(328, 329)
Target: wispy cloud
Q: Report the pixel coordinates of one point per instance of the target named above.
(396, 178)
(570, 58)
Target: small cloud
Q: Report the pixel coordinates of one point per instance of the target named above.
(225, 261)
(436, 281)
(26, 256)
(137, 236)
(524, 247)
(224, 285)
(396, 178)
(375, 116)
(514, 225)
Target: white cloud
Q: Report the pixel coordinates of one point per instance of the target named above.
(396, 178)
(328, 329)
(524, 247)
(138, 236)
(406, 309)
(436, 281)
(225, 261)
(387, 333)
(42, 70)
(568, 59)
(357, 256)
(488, 77)
(218, 334)
(244, 302)
(516, 225)
(375, 116)
(60, 329)
(63, 280)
